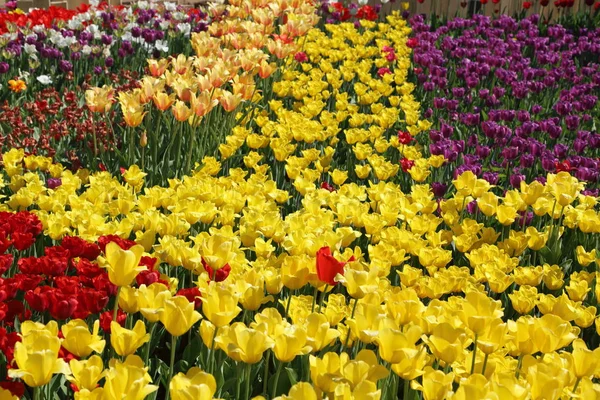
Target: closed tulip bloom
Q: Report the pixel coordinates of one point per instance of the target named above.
(178, 315)
(128, 380)
(78, 339)
(220, 305)
(217, 251)
(37, 359)
(290, 341)
(294, 272)
(123, 265)
(244, 344)
(86, 373)
(128, 300)
(125, 341)
(194, 385)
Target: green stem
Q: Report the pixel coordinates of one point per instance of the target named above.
(212, 352)
(116, 307)
(314, 299)
(406, 388)
(322, 298)
(149, 344)
(474, 355)
(485, 360)
(248, 373)
(276, 381)
(576, 385)
(238, 384)
(37, 393)
(287, 307)
(266, 378)
(348, 334)
(171, 365)
(519, 363)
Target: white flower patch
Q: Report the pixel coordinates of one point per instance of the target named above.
(44, 80)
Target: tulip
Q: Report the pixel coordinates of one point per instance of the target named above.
(328, 267)
(244, 344)
(37, 359)
(128, 379)
(220, 305)
(78, 339)
(86, 373)
(123, 265)
(436, 384)
(178, 315)
(290, 341)
(125, 341)
(151, 300)
(194, 385)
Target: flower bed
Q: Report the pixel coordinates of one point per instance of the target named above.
(511, 100)
(264, 219)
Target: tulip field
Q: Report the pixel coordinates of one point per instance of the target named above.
(299, 199)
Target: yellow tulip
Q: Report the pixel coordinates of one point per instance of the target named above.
(447, 343)
(300, 391)
(217, 251)
(86, 373)
(194, 385)
(552, 333)
(436, 384)
(392, 342)
(37, 359)
(359, 283)
(78, 339)
(319, 333)
(178, 315)
(524, 299)
(243, 344)
(151, 300)
(290, 341)
(128, 380)
(220, 305)
(123, 265)
(125, 341)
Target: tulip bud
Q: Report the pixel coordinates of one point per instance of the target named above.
(144, 139)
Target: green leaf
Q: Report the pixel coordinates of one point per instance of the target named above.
(292, 375)
(192, 350)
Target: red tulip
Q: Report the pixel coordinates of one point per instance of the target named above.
(412, 42)
(406, 164)
(328, 267)
(404, 137)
